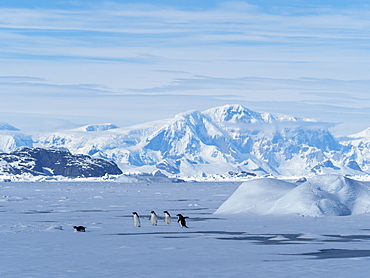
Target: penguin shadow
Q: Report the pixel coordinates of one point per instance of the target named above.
(200, 219)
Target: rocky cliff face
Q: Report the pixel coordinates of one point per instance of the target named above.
(38, 161)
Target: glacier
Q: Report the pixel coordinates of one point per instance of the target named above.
(196, 144)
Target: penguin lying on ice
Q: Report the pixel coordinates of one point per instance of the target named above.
(79, 228)
(181, 220)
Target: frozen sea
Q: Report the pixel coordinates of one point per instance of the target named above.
(37, 237)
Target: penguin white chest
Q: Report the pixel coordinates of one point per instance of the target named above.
(153, 219)
(137, 221)
(167, 219)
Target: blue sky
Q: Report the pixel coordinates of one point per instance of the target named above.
(68, 63)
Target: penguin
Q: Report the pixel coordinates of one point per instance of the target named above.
(167, 217)
(181, 220)
(153, 218)
(79, 228)
(136, 220)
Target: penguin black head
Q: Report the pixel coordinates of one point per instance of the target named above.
(152, 211)
(181, 217)
(165, 211)
(134, 213)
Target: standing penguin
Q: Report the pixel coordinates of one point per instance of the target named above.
(136, 220)
(167, 217)
(153, 218)
(181, 220)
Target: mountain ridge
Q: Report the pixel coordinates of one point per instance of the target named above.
(216, 141)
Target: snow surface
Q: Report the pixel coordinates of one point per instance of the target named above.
(37, 237)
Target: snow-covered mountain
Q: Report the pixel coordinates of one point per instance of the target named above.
(222, 139)
(11, 140)
(359, 148)
(38, 161)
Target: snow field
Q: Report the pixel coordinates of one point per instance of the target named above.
(37, 238)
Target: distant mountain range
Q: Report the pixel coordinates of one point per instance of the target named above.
(227, 140)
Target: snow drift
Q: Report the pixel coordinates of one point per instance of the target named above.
(327, 195)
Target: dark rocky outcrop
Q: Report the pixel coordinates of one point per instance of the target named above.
(39, 161)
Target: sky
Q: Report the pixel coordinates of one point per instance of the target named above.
(71, 63)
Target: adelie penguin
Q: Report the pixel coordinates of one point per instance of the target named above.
(153, 218)
(167, 217)
(181, 220)
(136, 220)
(79, 228)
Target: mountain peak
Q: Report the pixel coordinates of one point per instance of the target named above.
(365, 134)
(6, 126)
(236, 113)
(97, 127)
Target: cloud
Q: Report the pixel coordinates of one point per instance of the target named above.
(16, 88)
(111, 60)
(17, 79)
(333, 89)
(35, 106)
(100, 27)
